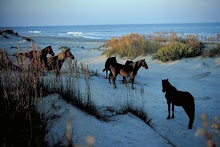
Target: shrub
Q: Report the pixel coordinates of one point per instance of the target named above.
(215, 51)
(176, 50)
(131, 46)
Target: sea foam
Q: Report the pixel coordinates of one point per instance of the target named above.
(34, 31)
(76, 33)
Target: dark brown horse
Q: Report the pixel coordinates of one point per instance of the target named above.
(39, 56)
(109, 62)
(128, 62)
(56, 62)
(43, 52)
(126, 70)
(179, 98)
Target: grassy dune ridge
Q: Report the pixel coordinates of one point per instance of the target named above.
(164, 47)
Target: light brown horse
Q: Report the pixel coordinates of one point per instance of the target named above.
(127, 70)
(56, 62)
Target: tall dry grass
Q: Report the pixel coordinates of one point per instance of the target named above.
(131, 46)
(210, 131)
(20, 88)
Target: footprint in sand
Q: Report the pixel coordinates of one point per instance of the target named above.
(206, 74)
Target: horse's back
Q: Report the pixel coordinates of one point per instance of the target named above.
(110, 61)
(186, 98)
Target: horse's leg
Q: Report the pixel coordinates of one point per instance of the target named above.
(190, 112)
(173, 110)
(106, 73)
(191, 116)
(109, 77)
(124, 80)
(132, 82)
(113, 80)
(168, 117)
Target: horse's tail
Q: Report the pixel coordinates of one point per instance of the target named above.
(192, 110)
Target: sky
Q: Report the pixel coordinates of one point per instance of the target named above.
(99, 12)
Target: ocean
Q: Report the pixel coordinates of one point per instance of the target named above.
(108, 31)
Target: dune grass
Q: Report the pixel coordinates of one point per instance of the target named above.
(21, 124)
(177, 51)
(210, 130)
(165, 46)
(131, 46)
(213, 52)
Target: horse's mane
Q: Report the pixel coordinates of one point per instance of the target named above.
(135, 64)
(171, 87)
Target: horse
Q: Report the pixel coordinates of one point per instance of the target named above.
(128, 62)
(43, 52)
(126, 70)
(109, 62)
(56, 62)
(39, 55)
(179, 98)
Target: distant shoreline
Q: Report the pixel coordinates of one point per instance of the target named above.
(62, 25)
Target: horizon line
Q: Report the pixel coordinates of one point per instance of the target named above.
(110, 24)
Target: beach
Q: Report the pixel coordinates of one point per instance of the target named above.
(199, 76)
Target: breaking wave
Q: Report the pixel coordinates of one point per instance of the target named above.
(75, 33)
(34, 31)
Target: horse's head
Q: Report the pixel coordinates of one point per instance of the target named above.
(112, 60)
(69, 54)
(165, 85)
(50, 50)
(144, 64)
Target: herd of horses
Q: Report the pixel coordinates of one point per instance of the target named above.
(130, 69)
(39, 59)
(173, 96)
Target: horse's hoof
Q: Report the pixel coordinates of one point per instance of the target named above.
(189, 127)
(172, 116)
(168, 117)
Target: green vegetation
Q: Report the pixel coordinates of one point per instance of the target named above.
(175, 51)
(165, 46)
(131, 46)
(215, 51)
